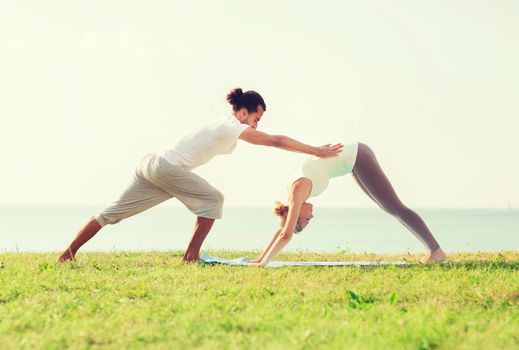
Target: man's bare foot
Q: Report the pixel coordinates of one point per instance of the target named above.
(190, 258)
(67, 255)
(436, 256)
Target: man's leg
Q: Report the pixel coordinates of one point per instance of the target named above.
(202, 228)
(199, 197)
(138, 196)
(195, 193)
(88, 231)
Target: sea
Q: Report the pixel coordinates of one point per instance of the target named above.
(356, 230)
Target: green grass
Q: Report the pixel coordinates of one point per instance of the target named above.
(138, 300)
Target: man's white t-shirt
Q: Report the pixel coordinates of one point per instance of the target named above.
(199, 146)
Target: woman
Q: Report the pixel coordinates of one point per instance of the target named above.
(312, 179)
(167, 174)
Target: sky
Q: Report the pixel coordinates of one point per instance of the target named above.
(87, 88)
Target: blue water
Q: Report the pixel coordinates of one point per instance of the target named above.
(332, 229)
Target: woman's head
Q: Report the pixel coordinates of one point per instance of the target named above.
(247, 106)
(305, 215)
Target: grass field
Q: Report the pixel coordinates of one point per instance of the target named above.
(151, 300)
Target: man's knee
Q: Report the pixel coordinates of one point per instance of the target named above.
(213, 206)
(108, 219)
(217, 198)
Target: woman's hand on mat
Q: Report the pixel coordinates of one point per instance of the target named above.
(256, 262)
(328, 150)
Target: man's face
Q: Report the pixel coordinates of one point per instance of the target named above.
(253, 118)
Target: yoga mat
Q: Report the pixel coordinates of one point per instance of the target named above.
(208, 259)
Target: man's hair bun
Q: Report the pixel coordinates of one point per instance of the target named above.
(234, 95)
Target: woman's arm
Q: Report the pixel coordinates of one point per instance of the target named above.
(268, 247)
(299, 192)
(284, 142)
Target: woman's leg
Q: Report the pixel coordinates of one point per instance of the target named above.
(363, 188)
(371, 178)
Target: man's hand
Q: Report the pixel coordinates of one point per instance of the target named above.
(328, 150)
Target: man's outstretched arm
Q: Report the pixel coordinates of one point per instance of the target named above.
(256, 137)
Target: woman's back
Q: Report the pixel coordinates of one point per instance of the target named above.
(320, 170)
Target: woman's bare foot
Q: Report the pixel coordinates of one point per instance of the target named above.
(67, 255)
(436, 256)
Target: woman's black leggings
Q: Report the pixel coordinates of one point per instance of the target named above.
(371, 178)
